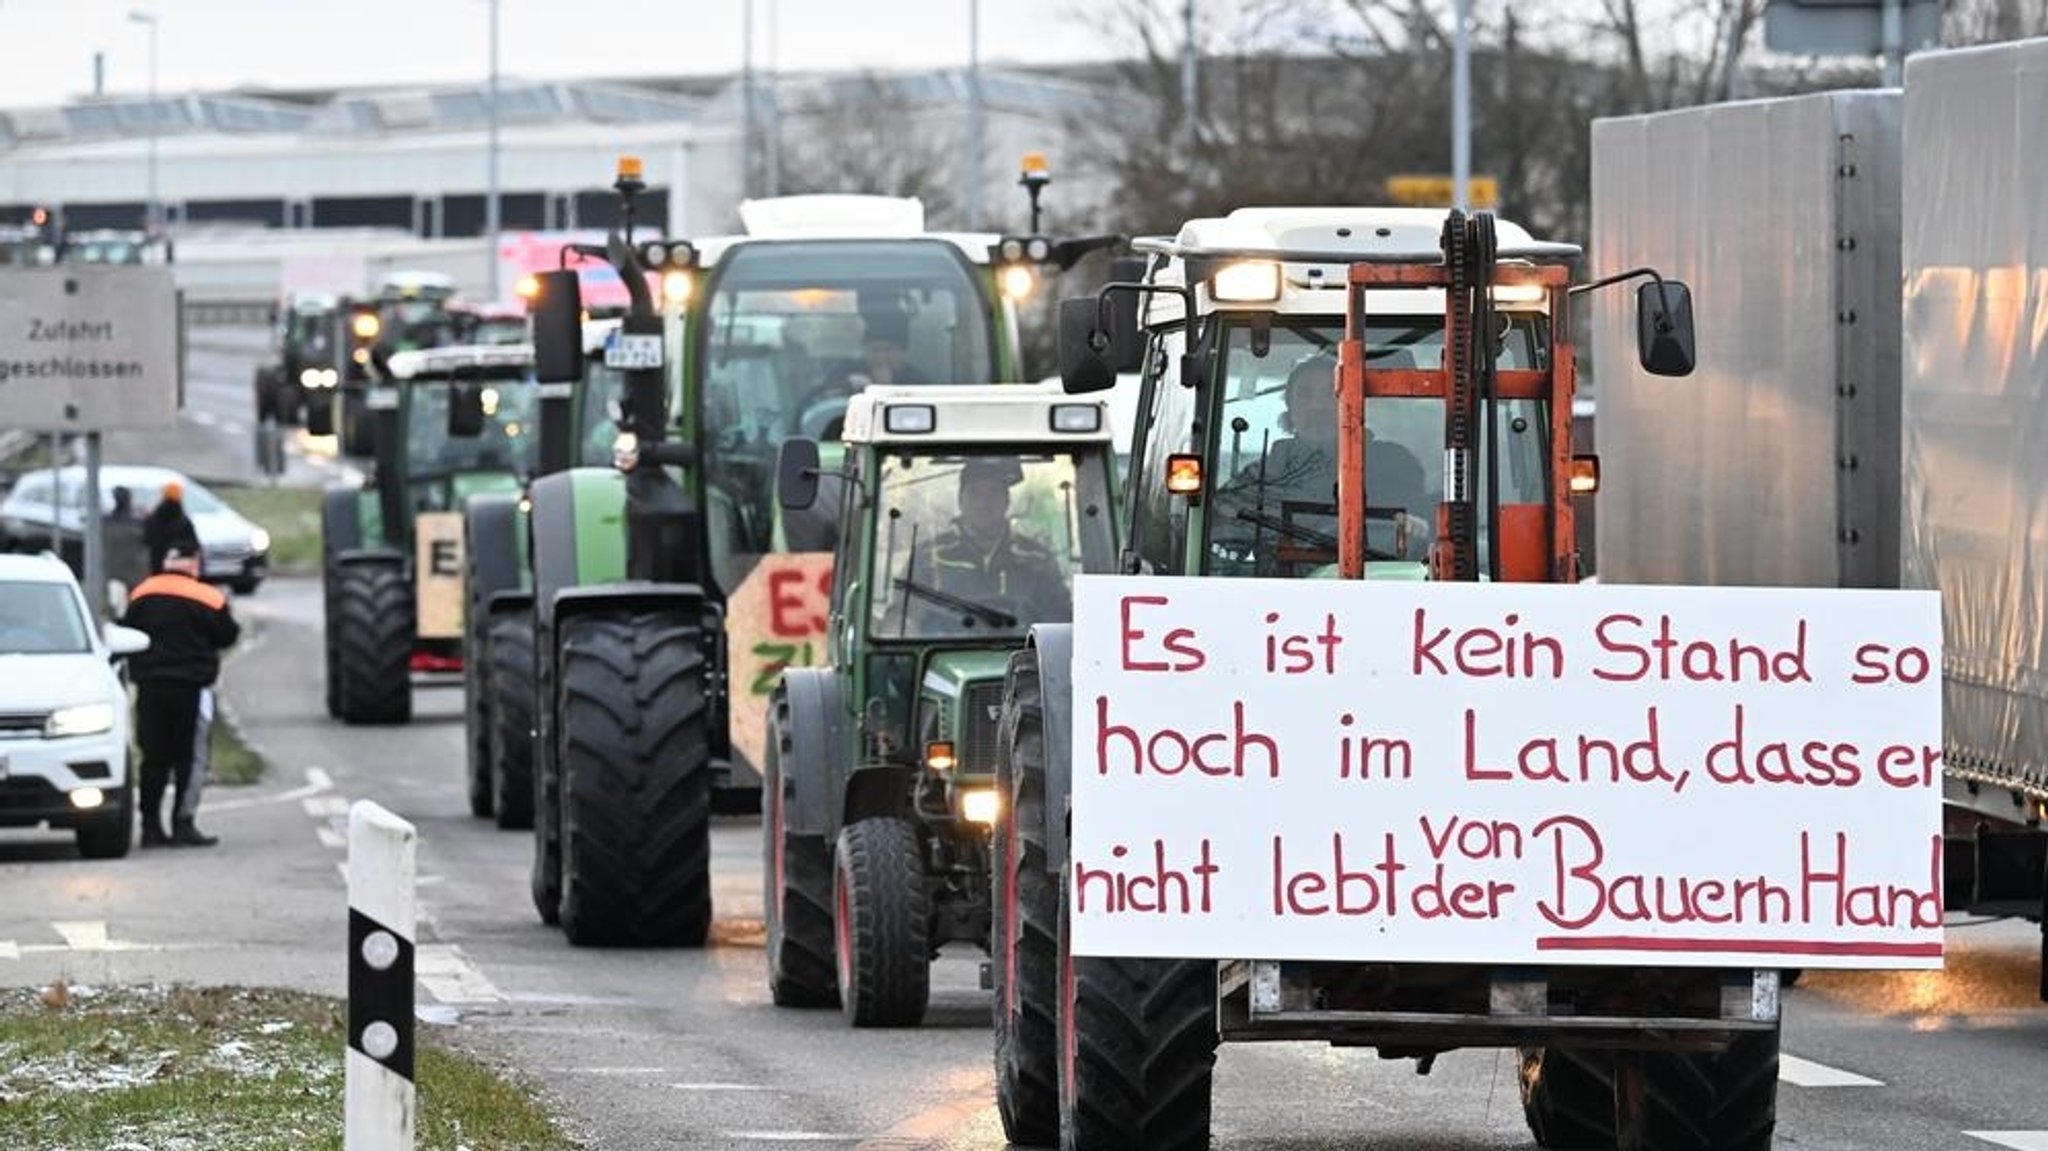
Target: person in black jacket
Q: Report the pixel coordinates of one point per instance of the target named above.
(168, 528)
(188, 624)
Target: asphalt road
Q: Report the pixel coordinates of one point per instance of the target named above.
(682, 1048)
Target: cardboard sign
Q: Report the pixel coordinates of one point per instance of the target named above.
(437, 572)
(89, 348)
(776, 618)
(1520, 774)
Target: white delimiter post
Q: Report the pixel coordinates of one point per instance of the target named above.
(381, 918)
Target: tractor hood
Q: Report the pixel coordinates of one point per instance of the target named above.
(949, 673)
(467, 484)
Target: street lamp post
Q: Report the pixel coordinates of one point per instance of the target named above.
(491, 218)
(151, 221)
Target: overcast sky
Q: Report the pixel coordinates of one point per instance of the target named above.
(47, 46)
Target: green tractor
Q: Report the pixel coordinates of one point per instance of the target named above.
(963, 514)
(576, 429)
(409, 311)
(669, 592)
(307, 336)
(456, 422)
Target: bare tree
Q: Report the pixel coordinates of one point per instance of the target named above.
(867, 134)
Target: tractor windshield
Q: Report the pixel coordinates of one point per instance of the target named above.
(790, 330)
(974, 545)
(1276, 512)
(508, 441)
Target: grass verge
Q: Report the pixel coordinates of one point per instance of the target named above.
(290, 515)
(255, 1070)
(232, 764)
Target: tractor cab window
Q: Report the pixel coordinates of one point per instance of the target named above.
(597, 424)
(1276, 447)
(789, 331)
(510, 439)
(986, 544)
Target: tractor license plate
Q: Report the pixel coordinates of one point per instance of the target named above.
(632, 353)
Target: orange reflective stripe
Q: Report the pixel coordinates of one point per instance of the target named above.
(182, 586)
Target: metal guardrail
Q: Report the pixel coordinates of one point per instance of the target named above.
(230, 313)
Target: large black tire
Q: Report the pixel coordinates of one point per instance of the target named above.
(1026, 936)
(634, 753)
(268, 392)
(881, 913)
(1699, 1101)
(331, 643)
(476, 717)
(358, 425)
(796, 884)
(1568, 1097)
(1142, 1033)
(508, 648)
(374, 614)
(547, 840)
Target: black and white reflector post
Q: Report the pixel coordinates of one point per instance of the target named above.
(381, 917)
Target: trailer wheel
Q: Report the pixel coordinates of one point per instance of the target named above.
(508, 650)
(1137, 1050)
(476, 719)
(373, 612)
(796, 880)
(881, 914)
(1026, 937)
(1699, 1101)
(634, 753)
(1568, 1097)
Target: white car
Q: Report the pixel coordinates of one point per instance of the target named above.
(233, 550)
(63, 710)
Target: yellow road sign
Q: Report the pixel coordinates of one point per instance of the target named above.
(1428, 191)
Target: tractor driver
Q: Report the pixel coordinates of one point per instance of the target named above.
(1302, 466)
(982, 558)
(883, 348)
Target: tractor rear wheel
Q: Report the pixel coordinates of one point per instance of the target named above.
(546, 879)
(881, 915)
(796, 882)
(508, 650)
(476, 723)
(1723, 1100)
(1568, 1097)
(634, 755)
(1139, 1037)
(331, 642)
(373, 613)
(1026, 937)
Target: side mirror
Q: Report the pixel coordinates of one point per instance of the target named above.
(465, 411)
(557, 310)
(1126, 339)
(1664, 335)
(124, 641)
(1084, 347)
(796, 474)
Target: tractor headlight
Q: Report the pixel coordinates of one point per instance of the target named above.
(309, 378)
(1247, 282)
(366, 325)
(1018, 280)
(81, 719)
(980, 805)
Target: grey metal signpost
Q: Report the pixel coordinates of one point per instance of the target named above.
(86, 350)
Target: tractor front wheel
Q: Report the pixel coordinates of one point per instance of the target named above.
(796, 876)
(1026, 936)
(1723, 1100)
(1568, 1097)
(881, 915)
(634, 755)
(508, 646)
(373, 615)
(476, 725)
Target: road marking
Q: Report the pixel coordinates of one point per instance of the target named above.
(330, 837)
(718, 1086)
(9, 949)
(1806, 1073)
(617, 1070)
(316, 782)
(450, 977)
(207, 419)
(325, 806)
(2017, 1140)
(85, 935)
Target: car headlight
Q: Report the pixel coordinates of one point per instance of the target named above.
(259, 540)
(82, 719)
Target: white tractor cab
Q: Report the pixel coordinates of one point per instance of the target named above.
(1271, 288)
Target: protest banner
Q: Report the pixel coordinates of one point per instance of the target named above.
(1519, 774)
